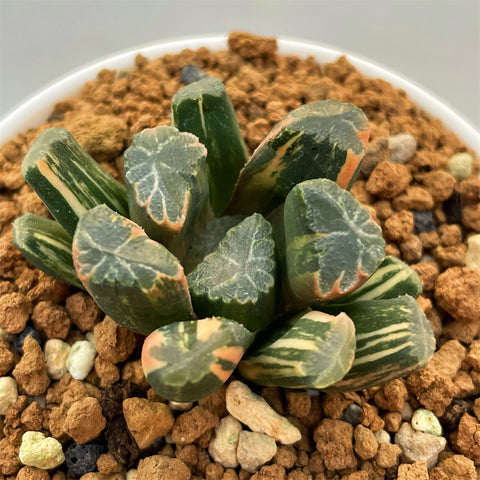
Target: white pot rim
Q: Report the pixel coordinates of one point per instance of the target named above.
(35, 111)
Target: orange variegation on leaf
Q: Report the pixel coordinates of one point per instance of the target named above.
(332, 243)
(186, 361)
(134, 280)
(326, 139)
(167, 185)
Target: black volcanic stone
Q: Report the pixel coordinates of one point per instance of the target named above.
(82, 459)
(452, 207)
(424, 221)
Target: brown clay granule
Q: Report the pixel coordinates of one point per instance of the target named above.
(334, 441)
(52, 319)
(15, 310)
(263, 87)
(6, 358)
(112, 341)
(84, 420)
(388, 179)
(31, 371)
(457, 291)
(83, 311)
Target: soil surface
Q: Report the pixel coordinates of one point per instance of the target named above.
(112, 425)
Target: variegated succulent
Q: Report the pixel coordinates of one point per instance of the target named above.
(302, 298)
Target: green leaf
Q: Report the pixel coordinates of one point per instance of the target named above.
(311, 350)
(325, 139)
(208, 239)
(332, 243)
(45, 244)
(186, 361)
(134, 280)
(204, 109)
(393, 339)
(167, 185)
(68, 180)
(237, 280)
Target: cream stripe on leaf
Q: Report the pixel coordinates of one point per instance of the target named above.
(393, 338)
(392, 278)
(45, 244)
(310, 350)
(68, 180)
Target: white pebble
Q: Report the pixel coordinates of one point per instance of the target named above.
(254, 411)
(417, 446)
(39, 451)
(81, 359)
(132, 474)
(91, 338)
(472, 257)
(56, 354)
(402, 147)
(254, 450)
(425, 421)
(223, 446)
(382, 436)
(460, 165)
(8, 393)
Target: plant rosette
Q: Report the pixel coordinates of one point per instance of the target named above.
(268, 263)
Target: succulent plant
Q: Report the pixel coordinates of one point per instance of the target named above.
(204, 109)
(333, 133)
(305, 296)
(134, 279)
(157, 159)
(209, 349)
(68, 180)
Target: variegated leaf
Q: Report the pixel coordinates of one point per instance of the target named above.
(238, 279)
(393, 339)
(392, 279)
(332, 243)
(311, 350)
(45, 244)
(167, 185)
(68, 180)
(325, 139)
(208, 239)
(186, 361)
(134, 280)
(204, 109)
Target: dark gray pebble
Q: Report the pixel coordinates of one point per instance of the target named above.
(191, 74)
(20, 338)
(424, 221)
(82, 459)
(352, 414)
